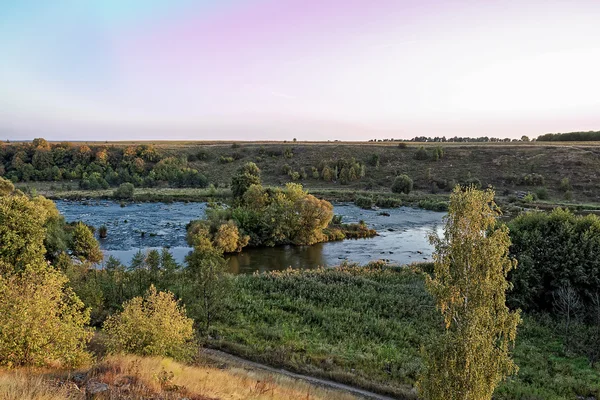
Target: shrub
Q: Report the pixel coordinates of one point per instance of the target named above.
(565, 185)
(42, 322)
(402, 184)
(433, 205)
(532, 180)
(365, 202)
(388, 202)
(155, 325)
(124, 191)
(421, 154)
(402, 145)
(553, 249)
(542, 193)
(226, 160)
(103, 232)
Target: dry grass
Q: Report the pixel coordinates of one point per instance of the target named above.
(132, 377)
(18, 385)
(162, 375)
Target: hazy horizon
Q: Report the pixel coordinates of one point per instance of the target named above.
(311, 70)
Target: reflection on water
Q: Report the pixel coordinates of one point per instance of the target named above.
(402, 235)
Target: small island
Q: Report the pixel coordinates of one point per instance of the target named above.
(260, 216)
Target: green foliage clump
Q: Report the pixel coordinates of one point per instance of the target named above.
(124, 191)
(542, 193)
(433, 205)
(387, 202)
(565, 185)
(421, 154)
(402, 184)
(365, 202)
(246, 176)
(155, 325)
(84, 244)
(554, 249)
(266, 217)
(532, 180)
(42, 322)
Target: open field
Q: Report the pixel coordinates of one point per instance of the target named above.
(508, 167)
(366, 326)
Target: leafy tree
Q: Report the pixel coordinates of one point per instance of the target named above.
(84, 245)
(402, 184)
(22, 233)
(155, 325)
(42, 321)
(469, 284)
(208, 286)
(247, 176)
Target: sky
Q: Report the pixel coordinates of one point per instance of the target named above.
(305, 69)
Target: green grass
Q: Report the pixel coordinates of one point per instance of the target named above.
(366, 326)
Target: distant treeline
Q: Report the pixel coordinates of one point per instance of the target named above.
(443, 139)
(570, 137)
(96, 167)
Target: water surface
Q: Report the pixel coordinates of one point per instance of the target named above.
(402, 235)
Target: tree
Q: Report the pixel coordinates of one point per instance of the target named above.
(208, 286)
(84, 245)
(469, 286)
(246, 176)
(402, 184)
(155, 325)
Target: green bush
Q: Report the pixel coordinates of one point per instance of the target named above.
(433, 205)
(542, 193)
(365, 202)
(421, 154)
(554, 249)
(155, 325)
(402, 184)
(387, 202)
(124, 192)
(226, 160)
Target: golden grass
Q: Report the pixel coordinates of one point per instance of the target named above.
(18, 385)
(163, 375)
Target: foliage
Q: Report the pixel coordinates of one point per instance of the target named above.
(96, 167)
(264, 218)
(554, 249)
(421, 154)
(208, 286)
(433, 205)
(154, 325)
(402, 184)
(84, 244)
(124, 191)
(246, 176)
(365, 202)
(570, 137)
(469, 283)
(6, 187)
(532, 180)
(42, 322)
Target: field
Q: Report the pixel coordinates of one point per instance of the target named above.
(366, 327)
(509, 167)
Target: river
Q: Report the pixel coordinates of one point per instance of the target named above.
(142, 226)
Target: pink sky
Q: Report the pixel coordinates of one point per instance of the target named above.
(315, 70)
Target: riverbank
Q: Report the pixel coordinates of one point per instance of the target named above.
(436, 202)
(365, 327)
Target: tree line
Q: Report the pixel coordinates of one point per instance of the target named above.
(96, 167)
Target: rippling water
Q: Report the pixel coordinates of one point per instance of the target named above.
(402, 235)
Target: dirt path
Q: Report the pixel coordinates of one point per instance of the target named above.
(220, 356)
